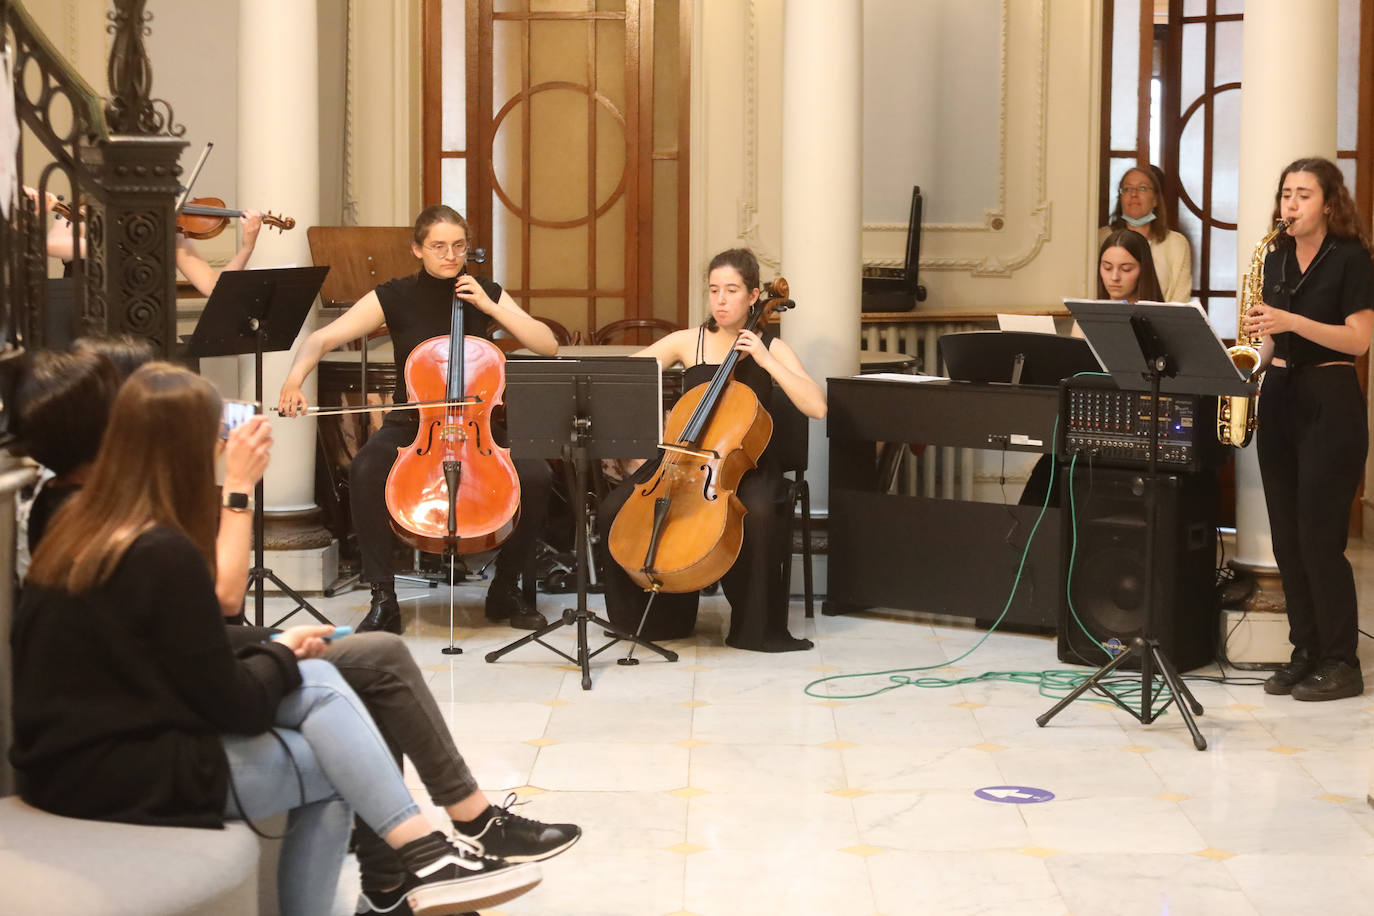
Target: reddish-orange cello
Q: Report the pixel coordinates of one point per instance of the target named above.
(682, 529)
(454, 488)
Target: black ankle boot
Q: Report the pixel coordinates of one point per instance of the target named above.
(505, 601)
(385, 613)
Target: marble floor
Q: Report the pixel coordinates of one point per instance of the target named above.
(715, 786)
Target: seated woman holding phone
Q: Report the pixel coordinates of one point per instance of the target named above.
(63, 402)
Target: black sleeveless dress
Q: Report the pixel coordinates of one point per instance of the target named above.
(754, 586)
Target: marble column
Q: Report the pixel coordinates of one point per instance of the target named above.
(1288, 110)
(278, 170)
(822, 186)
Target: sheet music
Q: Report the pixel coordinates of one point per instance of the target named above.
(901, 377)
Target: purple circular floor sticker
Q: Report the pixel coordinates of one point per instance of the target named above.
(1014, 795)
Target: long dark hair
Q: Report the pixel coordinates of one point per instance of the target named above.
(1147, 285)
(742, 260)
(156, 466)
(1342, 220)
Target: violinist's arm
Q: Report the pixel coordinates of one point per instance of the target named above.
(362, 318)
(792, 378)
(60, 240)
(195, 268)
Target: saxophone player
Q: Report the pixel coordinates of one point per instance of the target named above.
(1315, 319)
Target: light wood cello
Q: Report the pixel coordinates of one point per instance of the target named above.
(682, 529)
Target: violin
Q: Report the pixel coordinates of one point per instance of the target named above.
(201, 218)
(206, 217)
(453, 488)
(682, 529)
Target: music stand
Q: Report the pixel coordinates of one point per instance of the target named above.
(578, 410)
(1015, 357)
(1175, 349)
(258, 311)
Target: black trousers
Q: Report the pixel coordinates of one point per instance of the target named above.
(372, 523)
(753, 586)
(1312, 441)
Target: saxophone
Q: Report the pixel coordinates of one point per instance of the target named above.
(1236, 415)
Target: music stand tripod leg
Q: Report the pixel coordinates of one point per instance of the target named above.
(574, 452)
(1183, 698)
(1105, 671)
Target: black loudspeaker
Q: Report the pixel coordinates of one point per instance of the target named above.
(1105, 575)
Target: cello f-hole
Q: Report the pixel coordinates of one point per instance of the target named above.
(658, 479)
(477, 433)
(706, 493)
(429, 441)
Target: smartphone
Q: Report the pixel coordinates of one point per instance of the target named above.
(235, 413)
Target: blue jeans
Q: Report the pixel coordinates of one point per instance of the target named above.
(337, 761)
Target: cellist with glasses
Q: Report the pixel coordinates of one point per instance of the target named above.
(413, 309)
(754, 585)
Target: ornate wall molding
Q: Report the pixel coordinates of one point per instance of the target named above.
(1038, 217)
(748, 216)
(349, 215)
(994, 218)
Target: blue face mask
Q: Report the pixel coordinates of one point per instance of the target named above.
(1139, 221)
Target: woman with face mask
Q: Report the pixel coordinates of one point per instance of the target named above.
(1140, 208)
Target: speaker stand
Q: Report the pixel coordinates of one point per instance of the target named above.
(1153, 662)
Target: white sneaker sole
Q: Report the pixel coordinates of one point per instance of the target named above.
(476, 893)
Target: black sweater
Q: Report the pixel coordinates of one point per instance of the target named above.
(121, 693)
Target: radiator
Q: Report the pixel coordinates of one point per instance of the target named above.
(938, 472)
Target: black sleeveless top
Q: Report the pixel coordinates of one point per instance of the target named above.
(419, 307)
(746, 370)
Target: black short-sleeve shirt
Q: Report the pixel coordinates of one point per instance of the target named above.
(1338, 283)
(419, 307)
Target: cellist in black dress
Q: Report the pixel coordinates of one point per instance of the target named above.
(754, 585)
(414, 309)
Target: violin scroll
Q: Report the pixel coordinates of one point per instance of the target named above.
(279, 223)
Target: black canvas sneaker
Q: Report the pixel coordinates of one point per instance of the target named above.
(520, 839)
(452, 876)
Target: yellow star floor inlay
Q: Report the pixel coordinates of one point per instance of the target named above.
(863, 850)
(1039, 852)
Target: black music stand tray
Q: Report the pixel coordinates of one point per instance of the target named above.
(258, 311)
(1175, 350)
(1015, 357)
(578, 410)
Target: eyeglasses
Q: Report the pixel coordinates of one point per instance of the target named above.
(440, 249)
(1138, 189)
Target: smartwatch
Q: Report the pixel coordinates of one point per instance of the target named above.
(236, 502)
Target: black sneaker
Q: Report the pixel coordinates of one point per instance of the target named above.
(385, 613)
(505, 601)
(452, 876)
(1332, 680)
(1282, 681)
(519, 839)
